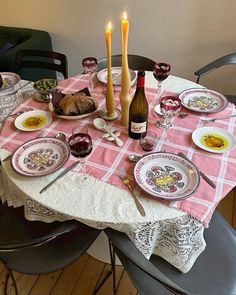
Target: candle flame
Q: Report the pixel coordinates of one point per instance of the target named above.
(109, 26)
(125, 15)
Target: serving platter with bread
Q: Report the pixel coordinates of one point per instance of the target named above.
(73, 106)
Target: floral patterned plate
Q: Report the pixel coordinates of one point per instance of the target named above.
(166, 176)
(116, 76)
(9, 80)
(203, 100)
(40, 156)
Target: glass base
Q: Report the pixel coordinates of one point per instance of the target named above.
(85, 181)
(162, 125)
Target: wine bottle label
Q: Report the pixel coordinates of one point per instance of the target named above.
(138, 127)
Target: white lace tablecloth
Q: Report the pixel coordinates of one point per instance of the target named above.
(167, 232)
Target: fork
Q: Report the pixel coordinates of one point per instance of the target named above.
(214, 119)
(125, 180)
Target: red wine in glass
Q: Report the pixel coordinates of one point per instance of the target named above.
(160, 72)
(80, 145)
(89, 65)
(148, 141)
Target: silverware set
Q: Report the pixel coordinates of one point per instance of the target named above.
(15, 92)
(125, 179)
(60, 175)
(206, 178)
(216, 119)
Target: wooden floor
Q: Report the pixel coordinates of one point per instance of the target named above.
(81, 277)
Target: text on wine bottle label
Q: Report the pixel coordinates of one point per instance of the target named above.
(138, 127)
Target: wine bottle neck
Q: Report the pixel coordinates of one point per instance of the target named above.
(140, 82)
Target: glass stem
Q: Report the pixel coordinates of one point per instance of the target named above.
(83, 169)
(167, 125)
(158, 93)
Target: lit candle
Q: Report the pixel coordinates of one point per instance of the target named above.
(125, 98)
(110, 105)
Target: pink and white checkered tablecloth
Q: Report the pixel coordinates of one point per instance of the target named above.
(107, 158)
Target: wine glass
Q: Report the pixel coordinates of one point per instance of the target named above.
(90, 67)
(170, 106)
(161, 71)
(81, 146)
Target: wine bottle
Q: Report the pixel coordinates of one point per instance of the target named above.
(138, 110)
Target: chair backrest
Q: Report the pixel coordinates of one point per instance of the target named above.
(136, 62)
(37, 64)
(219, 62)
(228, 59)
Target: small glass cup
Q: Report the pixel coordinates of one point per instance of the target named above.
(148, 141)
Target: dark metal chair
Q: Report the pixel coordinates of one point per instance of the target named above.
(33, 247)
(37, 64)
(222, 61)
(136, 62)
(214, 272)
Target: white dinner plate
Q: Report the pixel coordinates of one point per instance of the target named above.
(40, 156)
(166, 176)
(33, 120)
(213, 139)
(203, 100)
(9, 80)
(116, 76)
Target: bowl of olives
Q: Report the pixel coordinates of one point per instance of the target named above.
(45, 88)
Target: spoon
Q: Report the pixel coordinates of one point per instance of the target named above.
(21, 112)
(60, 136)
(134, 158)
(100, 124)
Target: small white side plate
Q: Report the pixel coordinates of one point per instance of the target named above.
(200, 133)
(45, 118)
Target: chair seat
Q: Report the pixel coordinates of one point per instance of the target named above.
(35, 247)
(54, 255)
(214, 272)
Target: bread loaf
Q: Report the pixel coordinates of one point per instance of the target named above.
(77, 104)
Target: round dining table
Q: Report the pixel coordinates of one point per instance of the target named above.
(168, 229)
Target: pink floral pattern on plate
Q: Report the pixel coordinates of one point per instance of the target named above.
(40, 156)
(203, 100)
(167, 176)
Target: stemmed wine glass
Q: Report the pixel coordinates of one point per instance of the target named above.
(161, 71)
(170, 106)
(90, 67)
(81, 146)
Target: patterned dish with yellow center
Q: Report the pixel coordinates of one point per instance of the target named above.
(166, 176)
(203, 100)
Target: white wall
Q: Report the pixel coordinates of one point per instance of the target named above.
(186, 33)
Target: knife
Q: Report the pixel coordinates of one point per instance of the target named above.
(59, 176)
(206, 178)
